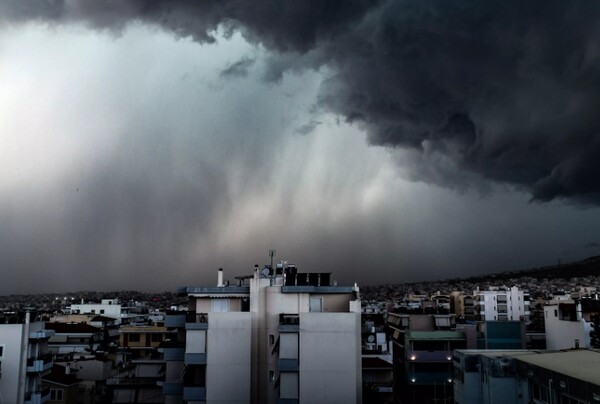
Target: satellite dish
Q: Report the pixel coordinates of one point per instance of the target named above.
(371, 338)
(265, 272)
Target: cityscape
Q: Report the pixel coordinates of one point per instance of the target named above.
(284, 335)
(299, 201)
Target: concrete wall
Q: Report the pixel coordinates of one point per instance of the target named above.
(10, 339)
(561, 334)
(288, 346)
(107, 310)
(93, 369)
(228, 358)
(330, 358)
(195, 341)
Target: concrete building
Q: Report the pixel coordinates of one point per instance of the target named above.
(73, 338)
(501, 304)
(568, 323)
(141, 365)
(522, 377)
(24, 359)
(285, 337)
(463, 306)
(487, 376)
(123, 313)
(422, 352)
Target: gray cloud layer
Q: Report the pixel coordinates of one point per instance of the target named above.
(507, 91)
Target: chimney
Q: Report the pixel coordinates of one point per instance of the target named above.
(220, 278)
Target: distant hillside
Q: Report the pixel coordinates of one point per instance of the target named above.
(587, 267)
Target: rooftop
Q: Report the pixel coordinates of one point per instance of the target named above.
(582, 364)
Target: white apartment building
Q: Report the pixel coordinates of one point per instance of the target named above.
(23, 362)
(498, 304)
(113, 308)
(568, 323)
(286, 337)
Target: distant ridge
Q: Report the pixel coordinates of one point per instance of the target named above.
(579, 269)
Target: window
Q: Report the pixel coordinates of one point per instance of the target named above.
(219, 305)
(1, 350)
(271, 375)
(271, 339)
(316, 304)
(134, 337)
(101, 311)
(56, 394)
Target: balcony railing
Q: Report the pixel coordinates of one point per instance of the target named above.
(172, 389)
(39, 396)
(428, 356)
(175, 319)
(287, 365)
(289, 322)
(430, 378)
(39, 364)
(192, 393)
(41, 334)
(172, 351)
(196, 321)
(195, 359)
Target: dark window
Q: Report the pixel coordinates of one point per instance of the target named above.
(134, 337)
(56, 394)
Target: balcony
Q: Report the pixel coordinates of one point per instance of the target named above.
(428, 356)
(193, 393)
(287, 365)
(38, 397)
(196, 321)
(41, 334)
(289, 322)
(431, 378)
(125, 380)
(175, 320)
(172, 350)
(195, 359)
(172, 389)
(39, 364)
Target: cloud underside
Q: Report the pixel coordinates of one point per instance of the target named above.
(504, 91)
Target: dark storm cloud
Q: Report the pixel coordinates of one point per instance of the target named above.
(239, 68)
(507, 91)
(307, 128)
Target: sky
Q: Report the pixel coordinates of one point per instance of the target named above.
(145, 144)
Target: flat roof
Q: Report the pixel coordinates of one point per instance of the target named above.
(215, 290)
(498, 353)
(582, 364)
(317, 289)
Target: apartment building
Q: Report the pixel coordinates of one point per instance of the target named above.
(568, 323)
(24, 359)
(277, 336)
(422, 355)
(520, 377)
(141, 366)
(500, 303)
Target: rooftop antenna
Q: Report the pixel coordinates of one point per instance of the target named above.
(271, 254)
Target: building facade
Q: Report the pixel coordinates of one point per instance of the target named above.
(278, 336)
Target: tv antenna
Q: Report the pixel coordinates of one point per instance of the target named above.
(271, 254)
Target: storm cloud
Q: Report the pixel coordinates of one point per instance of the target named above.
(143, 144)
(505, 91)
